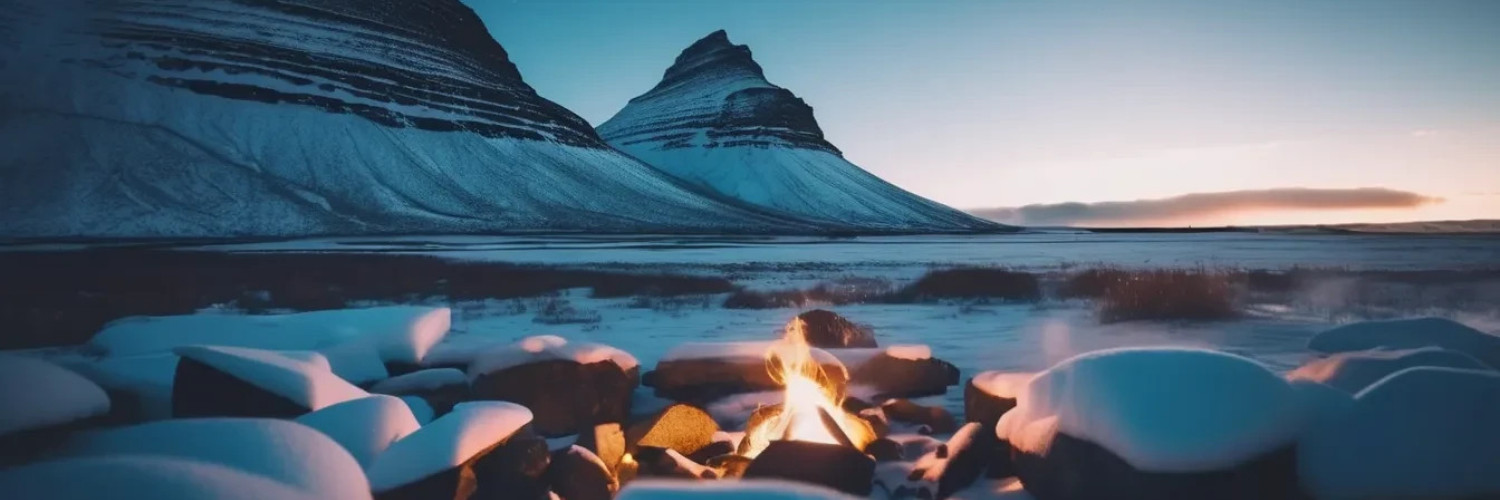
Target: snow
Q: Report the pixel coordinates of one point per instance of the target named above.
(146, 378)
(547, 348)
(755, 350)
(420, 409)
(308, 384)
(1410, 334)
(145, 476)
(37, 394)
(1354, 371)
(447, 442)
(399, 333)
(281, 450)
(742, 489)
(1001, 383)
(1159, 409)
(421, 381)
(910, 352)
(1420, 433)
(355, 361)
(365, 427)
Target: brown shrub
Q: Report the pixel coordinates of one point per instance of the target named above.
(1169, 294)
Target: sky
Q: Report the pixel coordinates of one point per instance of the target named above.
(1279, 112)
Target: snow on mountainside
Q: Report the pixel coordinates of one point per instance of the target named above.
(220, 118)
(716, 122)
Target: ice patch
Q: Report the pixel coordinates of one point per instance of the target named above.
(447, 442)
(306, 383)
(365, 427)
(1159, 409)
(36, 394)
(548, 348)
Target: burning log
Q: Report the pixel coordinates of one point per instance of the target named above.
(842, 468)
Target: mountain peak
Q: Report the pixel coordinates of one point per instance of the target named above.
(712, 57)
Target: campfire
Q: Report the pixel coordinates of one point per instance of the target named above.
(811, 410)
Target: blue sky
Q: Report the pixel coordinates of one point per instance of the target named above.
(1004, 104)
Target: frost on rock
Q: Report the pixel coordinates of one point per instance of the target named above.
(1410, 334)
(1355, 370)
(305, 385)
(400, 334)
(147, 476)
(366, 426)
(743, 489)
(288, 452)
(1159, 409)
(446, 443)
(36, 394)
(1419, 433)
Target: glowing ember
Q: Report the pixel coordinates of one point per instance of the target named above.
(811, 400)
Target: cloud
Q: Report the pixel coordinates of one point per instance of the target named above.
(1203, 205)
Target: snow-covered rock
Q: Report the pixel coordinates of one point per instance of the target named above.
(904, 371)
(237, 381)
(569, 386)
(140, 386)
(287, 452)
(431, 462)
(400, 334)
(36, 395)
(1353, 371)
(355, 361)
(1159, 422)
(219, 118)
(702, 372)
(1419, 433)
(146, 476)
(990, 394)
(715, 122)
(420, 409)
(365, 426)
(746, 489)
(439, 388)
(1410, 334)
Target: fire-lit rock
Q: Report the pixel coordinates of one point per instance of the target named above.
(606, 441)
(823, 328)
(480, 450)
(988, 395)
(839, 467)
(713, 449)
(668, 463)
(937, 419)
(680, 427)
(729, 465)
(894, 374)
(702, 373)
(884, 450)
(577, 474)
(570, 386)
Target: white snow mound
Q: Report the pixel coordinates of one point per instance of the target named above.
(145, 476)
(35, 394)
(1002, 384)
(548, 348)
(284, 451)
(1159, 409)
(365, 427)
(356, 361)
(1419, 433)
(420, 381)
(742, 489)
(306, 383)
(1355, 370)
(147, 379)
(447, 442)
(1410, 334)
(401, 334)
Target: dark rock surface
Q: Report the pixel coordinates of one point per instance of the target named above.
(824, 328)
(1074, 469)
(565, 396)
(838, 467)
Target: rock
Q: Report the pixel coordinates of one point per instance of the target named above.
(713, 449)
(702, 373)
(1353, 371)
(441, 388)
(41, 404)
(963, 458)
(884, 450)
(365, 427)
(1410, 333)
(666, 462)
(729, 465)
(935, 418)
(838, 467)
(680, 427)
(566, 396)
(904, 377)
(989, 395)
(823, 328)
(480, 450)
(605, 441)
(577, 474)
(1077, 469)
(214, 381)
(880, 424)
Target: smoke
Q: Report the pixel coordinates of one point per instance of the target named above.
(1203, 205)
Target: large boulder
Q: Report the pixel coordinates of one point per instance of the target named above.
(221, 381)
(937, 419)
(1419, 433)
(483, 449)
(569, 386)
(40, 403)
(903, 371)
(577, 474)
(440, 388)
(1156, 423)
(833, 466)
(988, 395)
(1410, 334)
(824, 328)
(679, 427)
(704, 372)
(1355, 370)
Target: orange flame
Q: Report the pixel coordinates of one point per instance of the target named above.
(807, 389)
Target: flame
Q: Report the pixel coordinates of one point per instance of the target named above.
(807, 390)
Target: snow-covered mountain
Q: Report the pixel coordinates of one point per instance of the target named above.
(214, 118)
(716, 122)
